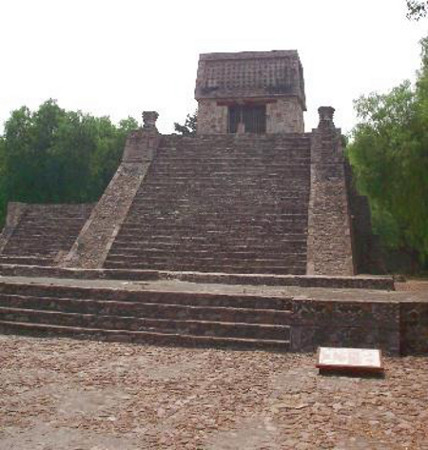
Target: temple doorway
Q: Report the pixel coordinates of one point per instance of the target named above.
(251, 117)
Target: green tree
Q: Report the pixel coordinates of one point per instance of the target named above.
(416, 9)
(189, 127)
(54, 156)
(3, 198)
(389, 155)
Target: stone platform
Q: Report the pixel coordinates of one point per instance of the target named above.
(163, 309)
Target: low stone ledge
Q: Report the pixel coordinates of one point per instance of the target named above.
(369, 282)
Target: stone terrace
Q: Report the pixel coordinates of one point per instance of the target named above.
(177, 312)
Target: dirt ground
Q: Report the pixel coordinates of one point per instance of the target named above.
(63, 394)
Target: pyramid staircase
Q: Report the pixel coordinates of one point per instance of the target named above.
(44, 233)
(177, 318)
(220, 204)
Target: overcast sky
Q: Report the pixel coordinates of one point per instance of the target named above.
(118, 58)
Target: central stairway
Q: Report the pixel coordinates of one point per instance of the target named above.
(173, 318)
(234, 204)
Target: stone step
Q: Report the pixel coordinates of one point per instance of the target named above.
(37, 241)
(220, 237)
(299, 268)
(227, 168)
(204, 213)
(234, 162)
(232, 151)
(17, 292)
(188, 217)
(139, 315)
(32, 249)
(279, 216)
(215, 226)
(154, 247)
(198, 248)
(113, 322)
(246, 242)
(208, 261)
(268, 155)
(229, 258)
(46, 229)
(63, 218)
(56, 217)
(207, 173)
(177, 227)
(26, 260)
(144, 337)
(228, 185)
(281, 202)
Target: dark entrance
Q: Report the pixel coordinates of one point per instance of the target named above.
(252, 116)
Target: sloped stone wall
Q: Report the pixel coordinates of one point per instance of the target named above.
(329, 233)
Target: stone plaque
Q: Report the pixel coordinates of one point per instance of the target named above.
(349, 360)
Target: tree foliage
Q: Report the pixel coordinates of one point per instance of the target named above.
(389, 154)
(189, 127)
(416, 9)
(52, 155)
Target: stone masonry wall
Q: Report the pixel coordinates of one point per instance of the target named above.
(212, 119)
(414, 328)
(364, 324)
(285, 116)
(329, 234)
(94, 242)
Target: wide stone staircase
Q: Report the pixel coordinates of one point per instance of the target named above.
(176, 318)
(234, 204)
(44, 233)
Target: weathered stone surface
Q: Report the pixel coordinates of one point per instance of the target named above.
(176, 312)
(273, 79)
(220, 204)
(250, 75)
(41, 234)
(266, 209)
(329, 234)
(306, 281)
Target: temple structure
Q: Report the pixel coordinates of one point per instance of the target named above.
(250, 193)
(250, 92)
(250, 200)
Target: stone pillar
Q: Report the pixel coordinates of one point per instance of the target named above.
(95, 239)
(141, 143)
(329, 233)
(149, 120)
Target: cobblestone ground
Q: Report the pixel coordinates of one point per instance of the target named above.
(63, 394)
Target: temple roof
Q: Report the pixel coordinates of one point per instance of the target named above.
(249, 75)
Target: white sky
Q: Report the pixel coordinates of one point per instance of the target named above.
(118, 58)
